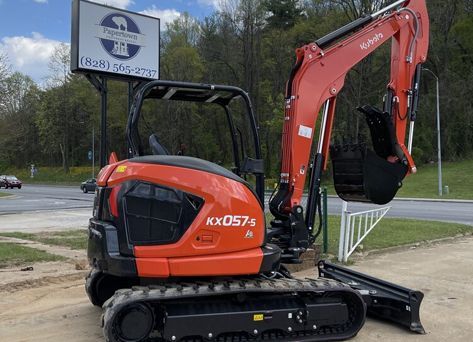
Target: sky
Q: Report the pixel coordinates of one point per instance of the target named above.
(31, 29)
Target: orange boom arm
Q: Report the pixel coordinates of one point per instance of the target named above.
(319, 75)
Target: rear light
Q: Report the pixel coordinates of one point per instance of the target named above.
(113, 201)
(109, 202)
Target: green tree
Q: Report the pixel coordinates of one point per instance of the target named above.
(283, 14)
(4, 73)
(18, 133)
(180, 59)
(60, 79)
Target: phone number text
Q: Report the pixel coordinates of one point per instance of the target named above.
(123, 68)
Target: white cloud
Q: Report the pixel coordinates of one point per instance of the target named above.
(29, 55)
(41, 1)
(211, 3)
(166, 15)
(115, 3)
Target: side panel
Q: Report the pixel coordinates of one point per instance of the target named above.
(237, 263)
(245, 262)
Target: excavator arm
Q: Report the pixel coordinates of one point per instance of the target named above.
(317, 78)
(360, 174)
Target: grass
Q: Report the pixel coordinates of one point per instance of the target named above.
(392, 232)
(457, 176)
(74, 239)
(397, 232)
(12, 254)
(52, 175)
(424, 184)
(3, 194)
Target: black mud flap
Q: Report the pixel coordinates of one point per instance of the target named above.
(384, 300)
(360, 175)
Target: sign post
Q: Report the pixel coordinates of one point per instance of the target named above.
(108, 42)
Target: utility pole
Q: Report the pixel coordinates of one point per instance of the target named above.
(93, 152)
(439, 146)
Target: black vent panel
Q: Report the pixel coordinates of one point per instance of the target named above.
(156, 214)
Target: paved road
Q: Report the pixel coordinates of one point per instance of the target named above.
(459, 212)
(38, 198)
(423, 210)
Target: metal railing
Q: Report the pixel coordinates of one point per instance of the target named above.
(355, 227)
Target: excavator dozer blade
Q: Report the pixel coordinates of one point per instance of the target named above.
(384, 300)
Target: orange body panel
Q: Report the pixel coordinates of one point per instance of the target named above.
(237, 263)
(153, 267)
(204, 248)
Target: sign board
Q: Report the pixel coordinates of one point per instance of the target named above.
(115, 42)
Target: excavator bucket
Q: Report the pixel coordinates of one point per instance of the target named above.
(384, 300)
(362, 175)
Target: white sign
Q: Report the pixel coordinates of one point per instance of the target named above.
(113, 41)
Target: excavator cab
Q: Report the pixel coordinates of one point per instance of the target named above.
(363, 175)
(244, 139)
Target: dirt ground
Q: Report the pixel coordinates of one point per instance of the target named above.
(56, 309)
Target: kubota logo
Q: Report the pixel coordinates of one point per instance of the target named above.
(370, 42)
(231, 221)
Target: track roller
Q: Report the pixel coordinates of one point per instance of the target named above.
(134, 323)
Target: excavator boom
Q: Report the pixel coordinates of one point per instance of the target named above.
(318, 77)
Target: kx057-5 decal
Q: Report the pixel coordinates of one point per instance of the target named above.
(231, 221)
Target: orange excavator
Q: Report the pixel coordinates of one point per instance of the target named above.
(179, 246)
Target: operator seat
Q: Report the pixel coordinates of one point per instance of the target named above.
(156, 147)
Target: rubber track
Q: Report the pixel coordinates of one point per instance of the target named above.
(170, 291)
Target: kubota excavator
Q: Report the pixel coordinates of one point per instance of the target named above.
(179, 246)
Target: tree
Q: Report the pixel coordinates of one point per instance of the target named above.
(18, 132)
(354, 9)
(283, 13)
(59, 66)
(180, 59)
(4, 73)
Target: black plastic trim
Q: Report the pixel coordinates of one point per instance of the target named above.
(254, 166)
(187, 207)
(103, 251)
(271, 258)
